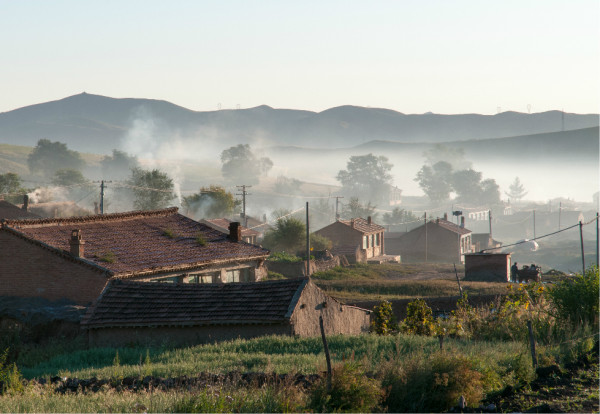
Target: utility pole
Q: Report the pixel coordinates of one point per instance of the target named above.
(534, 223)
(307, 243)
(490, 219)
(425, 237)
(337, 200)
(582, 251)
(244, 194)
(102, 187)
(559, 211)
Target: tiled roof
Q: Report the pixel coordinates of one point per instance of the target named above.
(11, 212)
(140, 242)
(153, 304)
(448, 225)
(363, 225)
(222, 224)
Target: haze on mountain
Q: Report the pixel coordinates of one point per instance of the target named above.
(95, 123)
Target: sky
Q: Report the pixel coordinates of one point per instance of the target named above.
(410, 56)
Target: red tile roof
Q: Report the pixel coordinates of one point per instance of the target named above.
(363, 225)
(154, 304)
(222, 224)
(142, 242)
(11, 212)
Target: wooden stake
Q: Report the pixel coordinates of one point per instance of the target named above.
(327, 357)
(458, 281)
(582, 252)
(532, 343)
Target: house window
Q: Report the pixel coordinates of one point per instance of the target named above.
(365, 242)
(201, 278)
(232, 276)
(246, 275)
(377, 242)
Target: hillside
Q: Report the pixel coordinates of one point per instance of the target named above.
(94, 123)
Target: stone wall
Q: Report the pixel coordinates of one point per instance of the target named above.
(298, 269)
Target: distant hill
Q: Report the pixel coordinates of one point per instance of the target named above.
(94, 123)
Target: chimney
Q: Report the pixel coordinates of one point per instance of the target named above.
(446, 216)
(76, 243)
(352, 225)
(369, 220)
(235, 231)
(462, 221)
(25, 202)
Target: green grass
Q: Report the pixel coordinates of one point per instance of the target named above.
(266, 354)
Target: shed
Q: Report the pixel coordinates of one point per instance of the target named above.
(488, 267)
(145, 312)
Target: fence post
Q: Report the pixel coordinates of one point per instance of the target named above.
(327, 357)
(532, 343)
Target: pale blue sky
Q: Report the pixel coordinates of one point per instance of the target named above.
(411, 56)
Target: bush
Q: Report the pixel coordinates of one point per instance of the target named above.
(284, 257)
(10, 376)
(351, 391)
(384, 320)
(419, 319)
(430, 385)
(576, 300)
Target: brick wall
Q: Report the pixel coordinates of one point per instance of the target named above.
(29, 270)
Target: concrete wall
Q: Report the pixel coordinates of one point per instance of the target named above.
(29, 270)
(487, 267)
(184, 335)
(337, 318)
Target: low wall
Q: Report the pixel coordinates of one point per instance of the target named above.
(298, 269)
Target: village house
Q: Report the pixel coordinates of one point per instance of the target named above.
(222, 225)
(10, 211)
(436, 240)
(73, 258)
(146, 313)
(357, 239)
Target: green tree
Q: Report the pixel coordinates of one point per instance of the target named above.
(118, 165)
(516, 190)
(211, 202)
(289, 235)
(47, 157)
(285, 185)
(440, 152)
(151, 189)
(576, 300)
(490, 192)
(241, 166)
(12, 188)
(367, 176)
(384, 320)
(467, 186)
(355, 209)
(320, 243)
(68, 177)
(399, 216)
(419, 319)
(436, 181)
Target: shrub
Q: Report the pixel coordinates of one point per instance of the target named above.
(319, 243)
(10, 376)
(275, 276)
(200, 239)
(419, 319)
(284, 257)
(351, 391)
(576, 300)
(384, 320)
(430, 385)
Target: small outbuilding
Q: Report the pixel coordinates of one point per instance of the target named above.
(357, 239)
(487, 267)
(183, 314)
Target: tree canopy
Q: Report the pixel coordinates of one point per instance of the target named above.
(399, 216)
(367, 176)
(241, 166)
(12, 187)
(47, 157)
(289, 235)
(118, 165)
(354, 209)
(211, 202)
(438, 181)
(152, 189)
(516, 191)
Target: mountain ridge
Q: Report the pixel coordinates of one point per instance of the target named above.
(96, 123)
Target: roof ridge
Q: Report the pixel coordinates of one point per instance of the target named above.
(93, 218)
